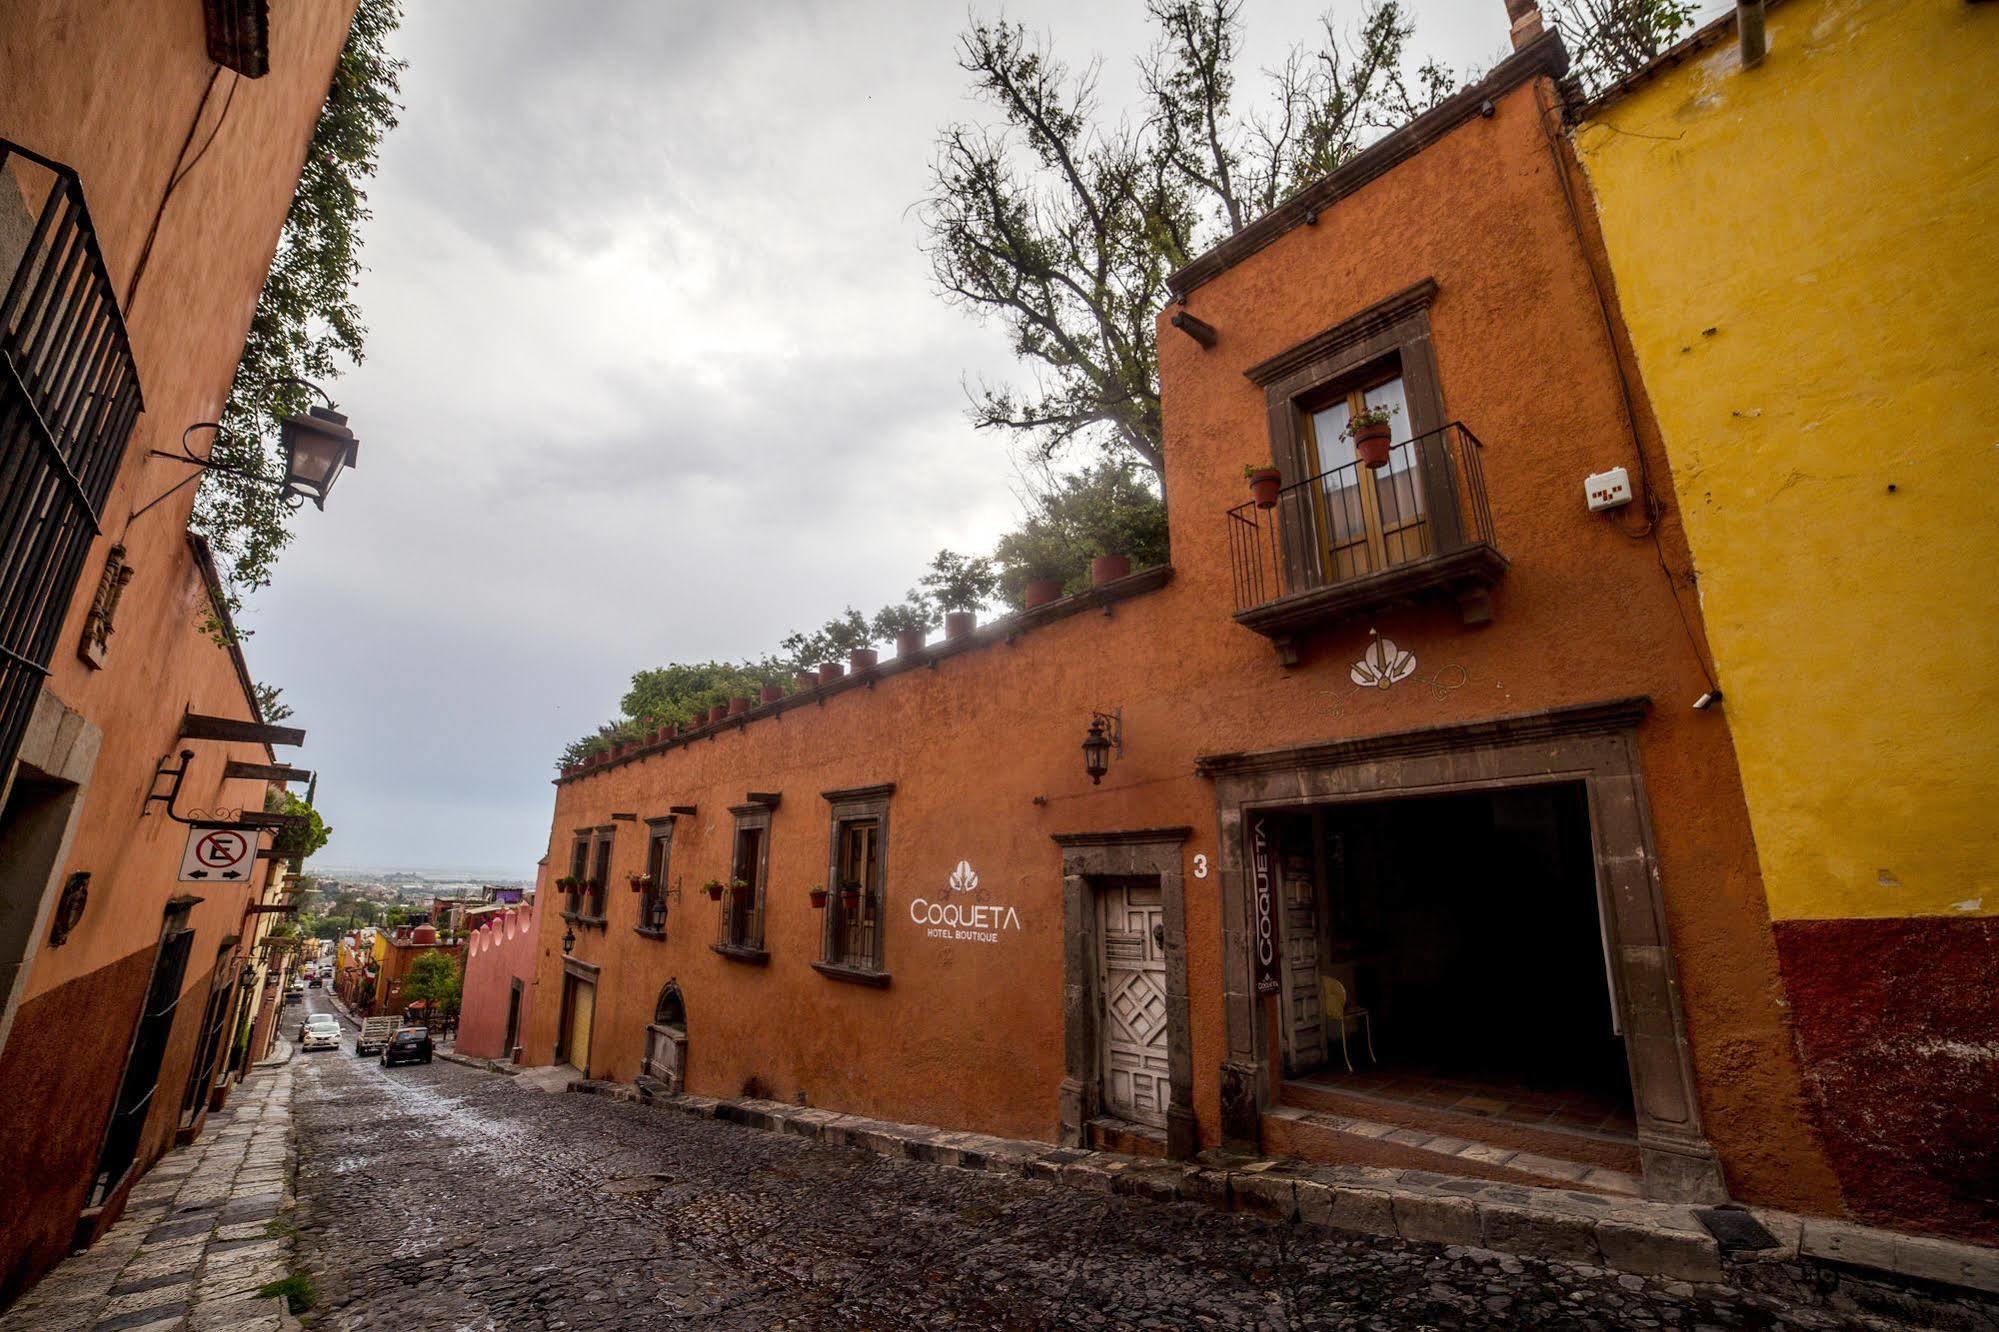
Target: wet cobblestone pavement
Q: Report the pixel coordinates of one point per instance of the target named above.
(445, 1197)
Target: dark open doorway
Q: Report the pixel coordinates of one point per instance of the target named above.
(1454, 942)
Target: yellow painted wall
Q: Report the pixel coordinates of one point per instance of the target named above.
(1807, 256)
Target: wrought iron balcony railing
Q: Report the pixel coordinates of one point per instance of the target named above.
(1356, 538)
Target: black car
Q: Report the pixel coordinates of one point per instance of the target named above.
(410, 1045)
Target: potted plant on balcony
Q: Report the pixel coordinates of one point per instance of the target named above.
(741, 889)
(640, 882)
(817, 892)
(1264, 483)
(1371, 433)
(960, 584)
(714, 889)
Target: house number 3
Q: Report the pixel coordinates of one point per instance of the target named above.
(1200, 867)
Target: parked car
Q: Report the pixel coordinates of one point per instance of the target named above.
(410, 1045)
(313, 983)
(321, 1031)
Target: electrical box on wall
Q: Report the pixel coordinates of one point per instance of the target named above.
(1607, 490)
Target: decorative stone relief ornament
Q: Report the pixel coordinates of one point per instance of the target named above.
(1382, 665)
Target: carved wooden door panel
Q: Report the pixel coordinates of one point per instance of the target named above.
(1303, 1025)
(1132, 972)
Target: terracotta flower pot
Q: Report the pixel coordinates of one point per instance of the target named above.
(862, 659)
(1040, 591)
(959, 624)
(909, 642)
(829, 671)
(818, 899)
(1370, 444)
(714, 892)
(805, 682)
(850, 901)
(652, 737)
(716, 713)
(1264, 483)
(1108, 569)
(770, 693)
(738, 706)
(742, 890)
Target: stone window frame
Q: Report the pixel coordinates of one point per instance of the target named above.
(579, 870)
(1396, 330)
(853, 805)
(1594, 745)
(658, 863)
(755, 816)
(1136, 853)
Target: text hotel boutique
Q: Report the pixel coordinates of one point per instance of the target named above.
(1405, 777)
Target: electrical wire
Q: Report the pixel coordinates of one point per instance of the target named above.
(182, 166)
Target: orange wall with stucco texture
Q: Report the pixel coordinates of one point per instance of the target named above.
(984, 753)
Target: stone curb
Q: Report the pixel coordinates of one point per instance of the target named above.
(473, 1061)
(281, 1055)
(1625, 1234)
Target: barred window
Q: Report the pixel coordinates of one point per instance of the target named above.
(857, 896)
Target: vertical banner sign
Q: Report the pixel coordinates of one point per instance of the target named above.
(1263, 916)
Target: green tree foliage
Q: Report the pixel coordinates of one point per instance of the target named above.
(298, 842)
(433, 979)
(1063, 224)
(306, 324)
(1610, 39)
(1107, 508)
(270, 706)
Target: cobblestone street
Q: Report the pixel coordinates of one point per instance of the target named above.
(444, 1197)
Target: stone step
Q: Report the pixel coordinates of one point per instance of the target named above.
(1316, 1135)
(1589, 1149)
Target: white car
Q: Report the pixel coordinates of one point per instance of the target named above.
(322, 1032)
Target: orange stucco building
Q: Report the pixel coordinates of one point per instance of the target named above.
(1405, 774)
(124, 311)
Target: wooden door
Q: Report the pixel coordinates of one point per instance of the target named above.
(1132, 974)
(582, 1008)
(1302, 1019)
(1369, 519)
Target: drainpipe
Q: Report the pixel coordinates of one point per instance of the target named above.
(1749, 31)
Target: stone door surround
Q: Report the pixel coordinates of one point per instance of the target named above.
(1592, 744)
(1140, 853)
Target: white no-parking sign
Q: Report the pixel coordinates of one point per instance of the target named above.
(218, 855)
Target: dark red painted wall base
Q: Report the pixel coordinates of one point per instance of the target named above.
(58, 1075)
(1898, 1023)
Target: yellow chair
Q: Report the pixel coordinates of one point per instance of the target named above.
(1334, 1011)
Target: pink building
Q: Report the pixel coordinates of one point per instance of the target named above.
(499, 984)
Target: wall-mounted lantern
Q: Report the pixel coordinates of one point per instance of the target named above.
(318, 447)
(1106, 736)
(568, 941)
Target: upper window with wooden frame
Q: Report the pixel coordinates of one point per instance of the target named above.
(653, 883)
(575, 884)
(742, 925)
(857, 883)
(600, 870)
(1360, 520)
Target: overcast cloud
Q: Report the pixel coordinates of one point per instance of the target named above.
(655, 373)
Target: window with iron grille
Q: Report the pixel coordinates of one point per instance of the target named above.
(653, 890)
(579, 872)
(69, 392)
(600, 871)
(857, 884)
(742, 930)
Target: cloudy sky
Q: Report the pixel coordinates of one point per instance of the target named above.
(655, 373)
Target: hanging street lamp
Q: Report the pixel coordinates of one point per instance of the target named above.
(568, 940)
(317, 445)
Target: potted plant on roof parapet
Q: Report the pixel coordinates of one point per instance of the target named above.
(1371, 433)
(1264, 483)
(960, 584)
(908, 623)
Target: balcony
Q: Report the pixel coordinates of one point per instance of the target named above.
(1355, 539)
